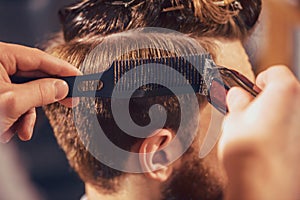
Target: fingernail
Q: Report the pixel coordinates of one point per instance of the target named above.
(29, 134)
(61, 90)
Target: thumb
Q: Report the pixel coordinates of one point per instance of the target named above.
(238, 99)
(38, 93)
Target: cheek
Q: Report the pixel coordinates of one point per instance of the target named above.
(205, 115)
(211, 161)
(204, 124)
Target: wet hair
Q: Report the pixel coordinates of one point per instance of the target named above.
(91, 22)
(196, 17)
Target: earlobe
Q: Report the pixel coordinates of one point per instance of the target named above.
(154, 158)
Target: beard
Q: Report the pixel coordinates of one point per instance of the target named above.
(192, 181)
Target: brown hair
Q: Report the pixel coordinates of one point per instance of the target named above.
(86, 25)
(197, 17)
(61, 118)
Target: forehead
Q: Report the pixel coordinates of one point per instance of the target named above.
(231, 54)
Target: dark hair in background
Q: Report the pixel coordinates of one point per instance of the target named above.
(86, 24)
(196, 17)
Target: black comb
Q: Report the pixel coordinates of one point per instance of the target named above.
(143, 78)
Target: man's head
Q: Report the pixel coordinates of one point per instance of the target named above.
(188, 177)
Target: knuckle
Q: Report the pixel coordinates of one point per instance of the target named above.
(289, 87)
(292, 87)
(41, 94)
(9, 101)
(45, 93)
(36, 51)
(7, 60)
(10, 97)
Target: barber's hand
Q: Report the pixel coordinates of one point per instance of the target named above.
(18, 101)
(259, 146)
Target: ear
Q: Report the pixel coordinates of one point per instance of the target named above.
(153, 158)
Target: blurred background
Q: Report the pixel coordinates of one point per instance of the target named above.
(277, 37)
(30, 22)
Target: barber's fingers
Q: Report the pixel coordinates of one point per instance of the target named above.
(23, 97)
(19, 58)
(238, 99)
(3, 74)
(275, 75)
(17, 103)
(23, 127)
(26, 125)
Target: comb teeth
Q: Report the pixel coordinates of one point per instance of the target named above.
(146, 74)
(146, 77)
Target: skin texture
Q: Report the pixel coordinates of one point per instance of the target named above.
(20, 117)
